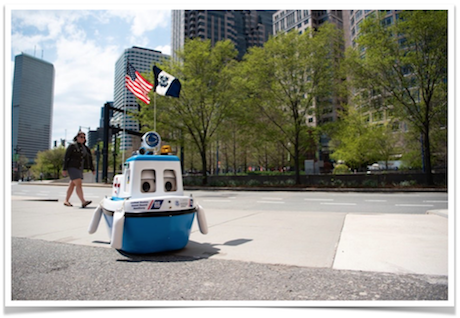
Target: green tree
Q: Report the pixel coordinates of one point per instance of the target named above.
(360, 143)
(288, 78)
(49, 162)
(21, 165)
(351, 139)
(407, 62)
(206, 97)
(385, 142)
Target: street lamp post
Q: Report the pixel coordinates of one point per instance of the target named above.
(16, 163)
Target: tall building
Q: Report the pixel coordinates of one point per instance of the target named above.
(245, 28)
(300, 21)
(32, 106)
(142, 59)
(102, 119)
(388, 17)
(357, 16)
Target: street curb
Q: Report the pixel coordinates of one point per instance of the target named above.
(316, 189)
(268, 189)
(443, 213)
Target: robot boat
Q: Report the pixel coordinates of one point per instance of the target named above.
(148, 211)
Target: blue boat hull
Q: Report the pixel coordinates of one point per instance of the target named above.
(153, 234)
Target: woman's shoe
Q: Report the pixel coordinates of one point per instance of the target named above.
(68, 204)
(84, 205)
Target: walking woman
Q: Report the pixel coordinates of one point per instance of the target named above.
(77, 157)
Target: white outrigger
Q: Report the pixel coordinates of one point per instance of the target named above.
(148, 211)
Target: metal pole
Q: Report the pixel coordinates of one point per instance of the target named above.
(114, 157)
(123, 140)
(98, 154)
(105, 147)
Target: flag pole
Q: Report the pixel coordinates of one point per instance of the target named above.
(122, 139)
(154, 111)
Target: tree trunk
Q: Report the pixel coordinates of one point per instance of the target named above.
(296, 149)
(234, 155)
(204, 165)
(297, 163)
(427, 157)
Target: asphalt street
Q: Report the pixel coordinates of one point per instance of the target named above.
(47, 271)
(270, 246)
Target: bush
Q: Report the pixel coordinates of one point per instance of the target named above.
(337, 183)
(192, 181)
(341, 169)
(216, 183)
(253, 183)
(352, 183)
(407, 183)
(370, 183)
(233, 183)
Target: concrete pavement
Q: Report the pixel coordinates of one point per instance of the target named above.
(405, 244)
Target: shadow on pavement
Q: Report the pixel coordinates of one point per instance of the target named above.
(192, 252)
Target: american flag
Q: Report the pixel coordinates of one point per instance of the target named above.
(138, 85)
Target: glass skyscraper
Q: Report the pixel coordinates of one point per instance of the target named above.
(32, 106)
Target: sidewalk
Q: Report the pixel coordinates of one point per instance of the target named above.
(406, 244)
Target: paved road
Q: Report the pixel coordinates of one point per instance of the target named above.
(398, 203)
(260, 246)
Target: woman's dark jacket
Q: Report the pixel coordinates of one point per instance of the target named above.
(75, 157)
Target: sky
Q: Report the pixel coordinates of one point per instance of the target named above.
(83, 45)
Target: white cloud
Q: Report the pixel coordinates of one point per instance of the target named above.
(43, 28)
(50, 21)
(165, 49)
(82, 65)
(83, 83)
(27, 44)
(143, 21)
(140, 41)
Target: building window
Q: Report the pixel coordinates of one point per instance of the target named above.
(377, 116)
(290, 19)
(387, 21)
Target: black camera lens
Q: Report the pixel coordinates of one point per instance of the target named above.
(146, 187)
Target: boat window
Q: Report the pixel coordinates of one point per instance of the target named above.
(170, 180)
(148, 181)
